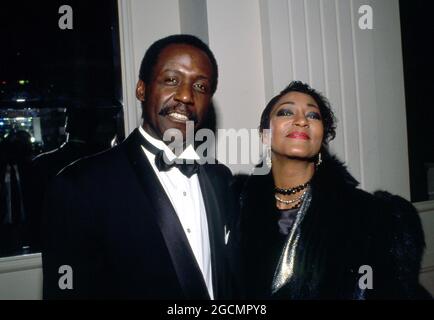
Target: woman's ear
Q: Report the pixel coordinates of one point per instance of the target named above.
(140, 90)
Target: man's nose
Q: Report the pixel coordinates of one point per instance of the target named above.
(184, 94)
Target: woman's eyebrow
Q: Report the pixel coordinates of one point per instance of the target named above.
(293, 103)
(312, 105)
(286, 102)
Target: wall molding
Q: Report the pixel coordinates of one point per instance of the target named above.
(424, 207)
(129, 101)
(20, 263)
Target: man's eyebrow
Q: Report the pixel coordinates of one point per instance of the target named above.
(170, 70)
(200, 76)
(203, 77)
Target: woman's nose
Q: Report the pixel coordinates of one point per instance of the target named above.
(301, 121)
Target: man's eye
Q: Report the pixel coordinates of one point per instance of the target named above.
(171, 80)
(284, 113)
(200, 87)
(314, 115)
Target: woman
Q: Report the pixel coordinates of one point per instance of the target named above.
(307, 231)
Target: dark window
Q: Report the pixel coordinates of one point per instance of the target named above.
(60, 93)
(418, 52)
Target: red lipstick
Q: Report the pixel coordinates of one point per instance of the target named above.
(298, 135)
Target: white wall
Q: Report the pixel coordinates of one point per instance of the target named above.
(260, 46)
(194, 18)
(360, 71)
(235, 38)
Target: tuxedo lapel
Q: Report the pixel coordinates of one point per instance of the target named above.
(185, 264)
(216, 230)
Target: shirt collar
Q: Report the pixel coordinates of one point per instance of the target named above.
(188, 153)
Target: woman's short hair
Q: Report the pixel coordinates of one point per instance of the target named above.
(328, 117)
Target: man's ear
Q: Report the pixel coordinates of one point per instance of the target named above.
(140, 90)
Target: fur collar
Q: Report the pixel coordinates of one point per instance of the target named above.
(334, 171)
(331, 175)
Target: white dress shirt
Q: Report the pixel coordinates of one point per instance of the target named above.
(186, 198)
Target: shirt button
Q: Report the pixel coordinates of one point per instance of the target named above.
(188, 230)
(184, 193)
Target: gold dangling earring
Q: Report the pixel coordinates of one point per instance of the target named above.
(319, 161)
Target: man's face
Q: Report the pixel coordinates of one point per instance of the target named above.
(179, 90)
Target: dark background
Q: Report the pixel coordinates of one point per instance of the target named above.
(61, 65)
(417, 27)
(47, 74)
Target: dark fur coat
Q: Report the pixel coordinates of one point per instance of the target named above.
(344, 228)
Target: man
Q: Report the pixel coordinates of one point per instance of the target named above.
(127, 224)
(89, 130)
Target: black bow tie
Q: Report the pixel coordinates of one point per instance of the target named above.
(187, 167)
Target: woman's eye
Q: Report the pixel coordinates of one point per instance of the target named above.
(284, 113)
(314, 115)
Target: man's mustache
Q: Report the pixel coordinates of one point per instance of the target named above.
(179, 108)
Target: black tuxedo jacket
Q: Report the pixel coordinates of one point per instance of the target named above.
(109, 219)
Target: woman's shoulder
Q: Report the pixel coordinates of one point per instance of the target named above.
(403, 220)
(405, 243)
(396, 212)
(391, 223)
(394, 217)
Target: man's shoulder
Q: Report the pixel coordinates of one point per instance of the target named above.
(94, 165)
(44, 159)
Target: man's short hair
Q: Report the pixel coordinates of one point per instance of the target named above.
(151, 56)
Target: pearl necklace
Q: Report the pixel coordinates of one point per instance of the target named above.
(299, 199)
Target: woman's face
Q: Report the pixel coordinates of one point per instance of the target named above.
(296, 126)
